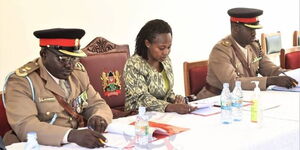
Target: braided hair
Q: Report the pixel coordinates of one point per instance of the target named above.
(148, 32)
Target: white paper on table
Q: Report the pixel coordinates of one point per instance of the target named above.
(129, 130)
(207, 111)
(293, 74)
(200, 104)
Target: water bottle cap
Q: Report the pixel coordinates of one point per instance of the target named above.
(225, 85)
(142, 110)
(31, 135)
(238, 83)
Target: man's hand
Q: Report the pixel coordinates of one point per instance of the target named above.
(180, 108)
(97, 123)
(86, 138)
(283, 81)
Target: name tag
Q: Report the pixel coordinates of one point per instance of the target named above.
(50, 99)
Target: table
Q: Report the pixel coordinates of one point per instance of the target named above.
(279, 130)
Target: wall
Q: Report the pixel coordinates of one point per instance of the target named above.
(197, 25)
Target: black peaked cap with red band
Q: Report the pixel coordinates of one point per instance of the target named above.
(61, 40)
(246, 16)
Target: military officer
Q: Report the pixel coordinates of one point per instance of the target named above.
(239, 57)
(52, 94)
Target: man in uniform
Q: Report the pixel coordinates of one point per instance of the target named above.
(52, 95)
(239, 57)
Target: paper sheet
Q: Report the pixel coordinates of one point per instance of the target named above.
(294, 74)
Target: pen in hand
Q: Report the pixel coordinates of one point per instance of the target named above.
(294, 83)
(102, 142)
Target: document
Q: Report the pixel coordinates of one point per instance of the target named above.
(207, 111)
(156, 130)
(294, 74)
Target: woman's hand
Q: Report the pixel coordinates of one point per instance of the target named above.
(180, 108)
(179, 100)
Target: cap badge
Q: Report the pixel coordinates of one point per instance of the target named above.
(76, 43)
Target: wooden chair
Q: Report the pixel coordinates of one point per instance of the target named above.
(271, 46)
(194, 74)
(4, 126)
(105, 64)
(290, 58)
(296, 38)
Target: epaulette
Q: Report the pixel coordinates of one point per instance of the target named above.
(79, 66)
(27, 69)
(226, 43)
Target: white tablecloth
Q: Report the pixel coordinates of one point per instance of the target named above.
(278, 131)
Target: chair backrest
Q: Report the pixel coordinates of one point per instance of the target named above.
(271, 43)
(290, 58)
(4, 126)
(194, 74)
(296, 38)
(105, 64)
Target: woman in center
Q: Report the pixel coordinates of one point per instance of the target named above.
(148, 73)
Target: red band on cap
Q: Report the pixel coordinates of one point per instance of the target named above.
(59, 42)
(244, 20)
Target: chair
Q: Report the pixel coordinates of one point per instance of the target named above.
(4, 126)
(290, 58)
(296, 38)
(105, 64)
(271, 45)
(194, 74)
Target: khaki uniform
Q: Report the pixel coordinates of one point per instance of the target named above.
(224, 66)
(25, 115)
(144, 85)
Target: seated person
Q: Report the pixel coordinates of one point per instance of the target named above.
(52, 95)
(239, 57)
(148, 73)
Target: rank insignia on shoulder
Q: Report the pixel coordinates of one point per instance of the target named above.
(79, 66)
(27, 69)
(226, 43)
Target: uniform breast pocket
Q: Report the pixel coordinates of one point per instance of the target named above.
(48, 107)
(255, 66)
(239, 69)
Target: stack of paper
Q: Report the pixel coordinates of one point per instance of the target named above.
(294, 74)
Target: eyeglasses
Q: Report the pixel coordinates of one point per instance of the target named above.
(68, 59)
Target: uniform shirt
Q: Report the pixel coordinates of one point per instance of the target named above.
(26, 115)
(225, 67)
(144, 85)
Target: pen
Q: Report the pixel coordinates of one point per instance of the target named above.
(102, 142)
(294, 83)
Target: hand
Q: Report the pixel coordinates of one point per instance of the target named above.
(283, 81)
(179, 99)
(180, 108)
(97, 123)
(86, 138)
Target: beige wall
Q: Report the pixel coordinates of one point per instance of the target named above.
(197, 25)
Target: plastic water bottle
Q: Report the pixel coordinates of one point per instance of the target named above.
(237, 102)
(226, 116)
(142, 129)
(32, 143)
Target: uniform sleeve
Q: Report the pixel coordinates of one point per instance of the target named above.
(22, 114)
(137, 91)
(97, 106)
(221, 64)
(268, 68)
